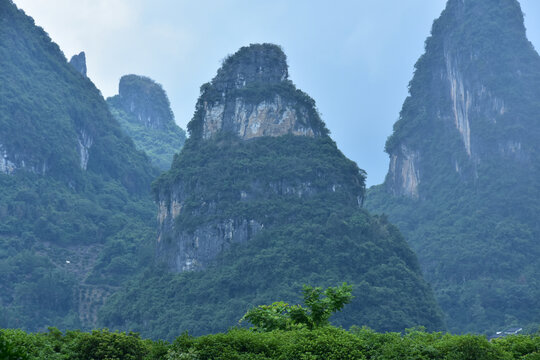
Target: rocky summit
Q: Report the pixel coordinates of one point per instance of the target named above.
(252, 96)
(145, 100)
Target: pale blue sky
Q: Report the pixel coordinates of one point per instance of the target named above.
(354, 57)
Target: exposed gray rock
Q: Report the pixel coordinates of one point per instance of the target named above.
(185, 250)
(251, 96)
(404, 173)
(85, 141)
(194, 251)
(10, 163)
(6, 165)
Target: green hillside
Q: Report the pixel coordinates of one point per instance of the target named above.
(76, 214)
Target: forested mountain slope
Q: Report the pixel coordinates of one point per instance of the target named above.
(75, 206)
(464, 166)
(259, 202)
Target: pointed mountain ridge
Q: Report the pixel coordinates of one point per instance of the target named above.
(79, 62)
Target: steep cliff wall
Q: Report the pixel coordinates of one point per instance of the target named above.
(205, 207)
(404, 175)
(464, 95)
(464, 159)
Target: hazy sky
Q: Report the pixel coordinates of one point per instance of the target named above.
(354, 57)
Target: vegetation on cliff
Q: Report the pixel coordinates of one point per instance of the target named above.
(76, 213)
(306, 196)
(471, 118)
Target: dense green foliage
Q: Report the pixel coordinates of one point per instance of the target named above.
(475, 225)
(321, 237)
(220, 169)
(69, 235)
(323, 343)
(316, 313)
(47, 106)
(144, 113)
(103, 232)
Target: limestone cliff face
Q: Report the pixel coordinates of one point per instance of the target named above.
(6, 165)
(273, 117)
(10, 162)
(251, 96)
(184, 248)
(20, 159)
(249, 100)
(85, 141)
(465, 151)
(462, 109)
(404, 174)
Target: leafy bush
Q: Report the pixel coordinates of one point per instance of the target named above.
(282, 316)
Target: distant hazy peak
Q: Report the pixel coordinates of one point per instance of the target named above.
(146, 99)
(79, 62)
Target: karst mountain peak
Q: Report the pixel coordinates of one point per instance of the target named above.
(261, 199)
(252, 96)
(464, 164)
(463, 90)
